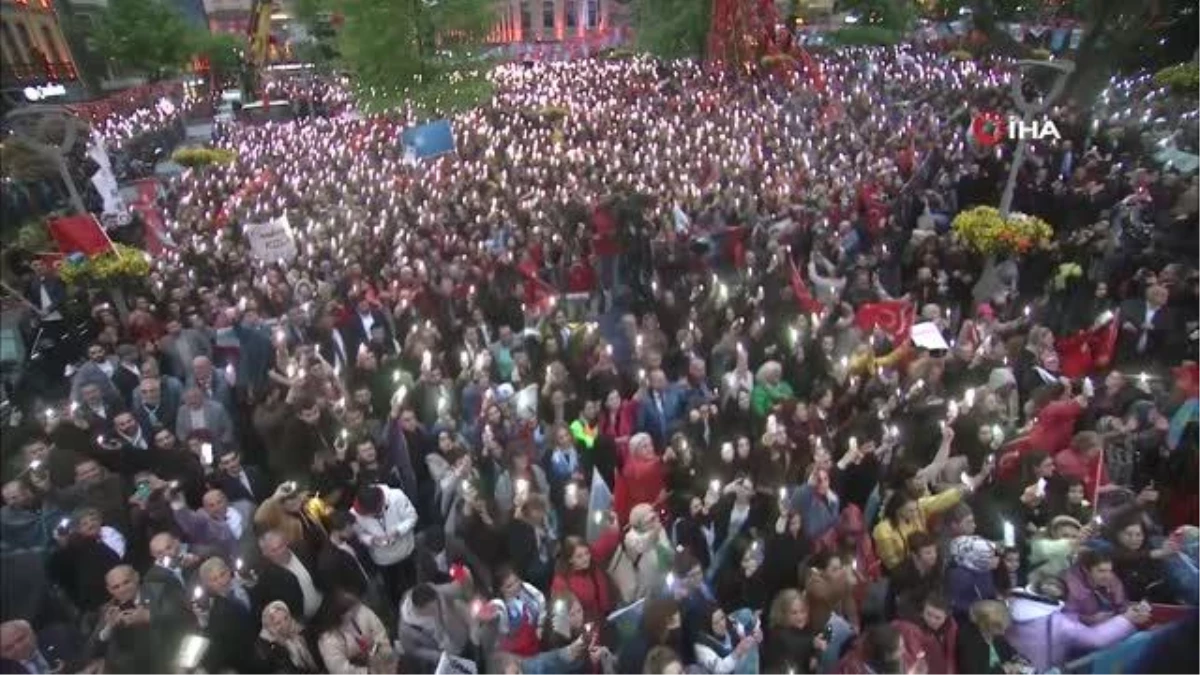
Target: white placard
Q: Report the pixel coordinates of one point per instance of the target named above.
(272, 240)
(927, 336)
(449, 664)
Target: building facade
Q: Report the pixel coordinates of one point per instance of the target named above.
(557, 20)
(35, 53)
(228, 16)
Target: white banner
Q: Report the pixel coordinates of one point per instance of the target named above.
(272, 240)
(105, 180)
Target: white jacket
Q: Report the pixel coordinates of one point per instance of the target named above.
(397, 522)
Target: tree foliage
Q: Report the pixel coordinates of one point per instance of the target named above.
(425, 52)
(224, 52)
(149, 37)
(672, 29)
(891, 14)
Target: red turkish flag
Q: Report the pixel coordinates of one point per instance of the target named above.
(146, 206)
(808, 304)
(80, 233)
(1087, 351)
(895, 317)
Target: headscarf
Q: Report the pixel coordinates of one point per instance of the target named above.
(296, 647)
(972, 552)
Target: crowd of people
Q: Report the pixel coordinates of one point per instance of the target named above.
(592, 393)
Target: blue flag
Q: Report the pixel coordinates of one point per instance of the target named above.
(600, 504)
(428, 140)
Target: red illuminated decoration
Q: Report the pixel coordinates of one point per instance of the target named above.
(743, 32)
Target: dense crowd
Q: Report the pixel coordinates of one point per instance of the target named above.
(593, 393)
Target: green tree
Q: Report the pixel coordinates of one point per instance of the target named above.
(672, 29)
(223, 51)
(425, 52)
(893, 14)
(148, 37)
(1129, 34)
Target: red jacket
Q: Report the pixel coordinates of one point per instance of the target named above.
(581, 277)
(939, 650)
(1074, 464)
(641, 482)
(591, 588)
(604, 233)
(620, 424)
(1055, 426)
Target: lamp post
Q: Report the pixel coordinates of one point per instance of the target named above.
(1029, 109)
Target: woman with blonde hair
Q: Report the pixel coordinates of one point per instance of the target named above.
(769, 389)
(283, 646)
(791, 643)
(982, 647)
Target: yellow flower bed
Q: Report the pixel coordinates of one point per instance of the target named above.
(983, 229)
(961, 55)
(132, 263)
(198, 157)
(773, 60)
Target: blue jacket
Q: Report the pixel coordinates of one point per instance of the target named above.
(818, 515)
(965, 586)
(660, 425)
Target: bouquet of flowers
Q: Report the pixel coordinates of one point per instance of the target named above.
(114, 267)
(983, 229)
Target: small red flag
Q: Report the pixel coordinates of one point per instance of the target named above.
(80, 233)
(808, 304)
(895, 317)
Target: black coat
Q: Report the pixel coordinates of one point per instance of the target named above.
(260, 487)
(337, 570)
(277, 583)
(274, 658)
(169, 604)
(79, 568)
(974, 654)
(789, 650)
(233, 630)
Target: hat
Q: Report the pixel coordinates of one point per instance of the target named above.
(1058, 521)
(972, 552)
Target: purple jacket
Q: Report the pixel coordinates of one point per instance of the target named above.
(965, 586)
(1046, 636)
(1082, 599)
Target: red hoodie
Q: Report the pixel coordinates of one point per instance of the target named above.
(590, 587)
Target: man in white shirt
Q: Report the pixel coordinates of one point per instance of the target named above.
(286, 577)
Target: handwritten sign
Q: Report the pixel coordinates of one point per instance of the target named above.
(272, 240)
